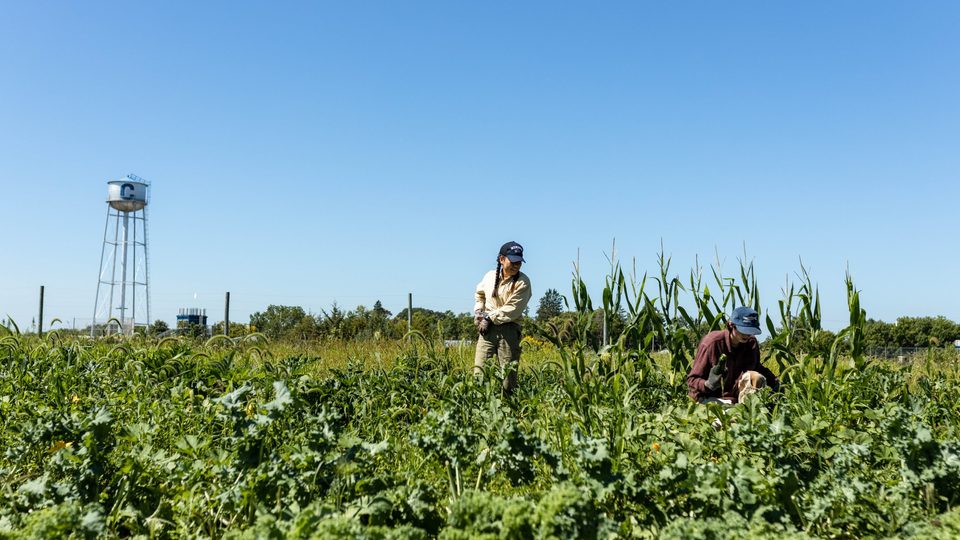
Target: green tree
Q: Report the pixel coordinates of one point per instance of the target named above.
(334, 323)
(158, 327)
(551, 305)
(430, 323)
(236, 329)
(466, 328)
(194, 330)
(380, 321)
(380, 311)
(616, 324)
(878, 334)
(356, 324)
(911, 332)
(924, 331)
(283, 322)
(943, 332)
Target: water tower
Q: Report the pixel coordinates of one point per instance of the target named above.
(123, 289)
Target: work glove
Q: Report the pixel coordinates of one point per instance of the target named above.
(483, 324)
(714, 378)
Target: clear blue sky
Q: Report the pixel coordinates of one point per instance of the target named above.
(306, 153)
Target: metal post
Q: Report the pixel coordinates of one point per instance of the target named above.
(410, 312)
(226, 315)
(113, 274)
(103, 251)
(40, 328)
(146, 262)
(133, 286)
(123, 271)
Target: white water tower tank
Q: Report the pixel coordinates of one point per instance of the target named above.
(127, 195)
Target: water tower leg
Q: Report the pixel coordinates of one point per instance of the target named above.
(103, 251)
(113, 272)
(123, 270)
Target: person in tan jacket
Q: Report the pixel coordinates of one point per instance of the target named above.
(501, 298)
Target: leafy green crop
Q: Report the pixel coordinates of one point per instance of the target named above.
(246, 439)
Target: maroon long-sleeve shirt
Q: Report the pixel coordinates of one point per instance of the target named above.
(740, 359)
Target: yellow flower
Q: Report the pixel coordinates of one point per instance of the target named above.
(60, 445)
(250, 409)
(76, 399)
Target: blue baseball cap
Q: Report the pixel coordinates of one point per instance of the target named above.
(747, 320)
(512, 251)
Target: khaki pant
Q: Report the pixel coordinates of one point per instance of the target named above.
(502, 340)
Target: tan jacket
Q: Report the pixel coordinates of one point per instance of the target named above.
(512, 298)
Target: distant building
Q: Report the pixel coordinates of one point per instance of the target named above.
(192, 318)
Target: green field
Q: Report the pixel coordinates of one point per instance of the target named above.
(179, 439)
(248, 439)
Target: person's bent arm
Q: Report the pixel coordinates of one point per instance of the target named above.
(703, 360)
(512, 309)
(480, 297)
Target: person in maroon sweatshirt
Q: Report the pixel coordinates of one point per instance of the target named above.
(710, 378)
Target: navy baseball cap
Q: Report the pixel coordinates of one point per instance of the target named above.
(746, 320)
(512, 251)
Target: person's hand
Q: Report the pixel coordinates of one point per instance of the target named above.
(716, 375)
(483, 325)
(478, 316)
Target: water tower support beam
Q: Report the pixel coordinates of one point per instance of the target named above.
(123, 269)
(113, 273)
(103, 251)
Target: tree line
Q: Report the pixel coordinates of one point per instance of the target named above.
(912, 332)
(294, 323)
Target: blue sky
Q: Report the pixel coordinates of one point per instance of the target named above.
(306, 153)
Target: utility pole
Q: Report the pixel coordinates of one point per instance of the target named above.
(40, 327)
(226, 315)
(409, 312)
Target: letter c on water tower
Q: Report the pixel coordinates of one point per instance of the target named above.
(123, 191)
